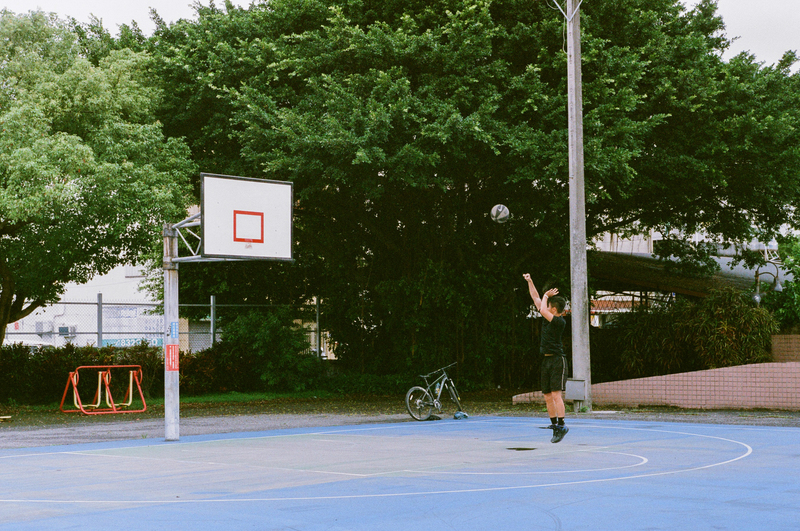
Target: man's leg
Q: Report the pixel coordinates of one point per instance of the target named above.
(552, 409)
(551, 405)
(559, 410)
(560, 429)
(545, 380)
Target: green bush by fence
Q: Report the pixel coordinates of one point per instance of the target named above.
(721, 330)
(39, 376)
(260, 352)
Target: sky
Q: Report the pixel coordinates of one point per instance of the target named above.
(766, 28)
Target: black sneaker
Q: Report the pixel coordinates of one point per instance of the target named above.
(558, 433)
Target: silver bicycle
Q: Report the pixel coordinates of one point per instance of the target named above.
(420, 401)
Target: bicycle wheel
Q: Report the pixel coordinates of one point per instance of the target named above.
(419, 403)
(454, 394)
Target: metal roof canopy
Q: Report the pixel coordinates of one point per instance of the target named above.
(643, 272)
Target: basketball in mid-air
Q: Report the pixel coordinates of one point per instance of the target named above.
(500, 213)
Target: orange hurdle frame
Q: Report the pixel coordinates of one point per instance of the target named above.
(104, 383)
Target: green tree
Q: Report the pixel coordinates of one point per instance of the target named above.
(785, 304)
(402, 123)
(87, 178)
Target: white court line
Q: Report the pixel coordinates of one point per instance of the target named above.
(104, 452)
(748, 451)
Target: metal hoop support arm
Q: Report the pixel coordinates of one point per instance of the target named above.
(574, 11)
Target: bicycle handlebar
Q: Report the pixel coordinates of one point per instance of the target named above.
(438, 370)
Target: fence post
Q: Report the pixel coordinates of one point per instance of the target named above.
(213, 318)
(319, 336)
(99, 320)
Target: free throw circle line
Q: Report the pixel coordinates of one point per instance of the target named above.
(748, 451)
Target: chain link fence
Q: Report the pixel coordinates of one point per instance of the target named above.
(105, 323)
(606, 306)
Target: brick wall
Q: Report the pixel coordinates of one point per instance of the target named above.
(765, 385)
(786, 348)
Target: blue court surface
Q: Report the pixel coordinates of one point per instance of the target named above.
(482, 473)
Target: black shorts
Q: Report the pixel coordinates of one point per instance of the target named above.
(554, 374)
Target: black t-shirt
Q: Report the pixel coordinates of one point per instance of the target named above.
(551, 336)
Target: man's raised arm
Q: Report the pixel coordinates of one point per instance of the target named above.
(532, 290)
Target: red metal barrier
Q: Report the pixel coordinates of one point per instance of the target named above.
(104, 386)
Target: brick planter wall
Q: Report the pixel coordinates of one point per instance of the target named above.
(761, 386)
(786, 348)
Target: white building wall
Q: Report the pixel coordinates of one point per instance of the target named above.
(74, 319)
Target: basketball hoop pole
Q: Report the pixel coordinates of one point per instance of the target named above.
(581, 366)
(171, 336)
(239, 219)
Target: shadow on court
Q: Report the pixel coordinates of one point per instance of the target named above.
(477, 474)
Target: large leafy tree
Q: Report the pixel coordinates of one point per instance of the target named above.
(402, 123)
(87, 177)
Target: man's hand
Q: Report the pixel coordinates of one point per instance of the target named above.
(544, 306)
(527, 277)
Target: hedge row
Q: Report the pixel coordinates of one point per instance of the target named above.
(39, 376)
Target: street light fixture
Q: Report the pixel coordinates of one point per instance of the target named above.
(776, 281)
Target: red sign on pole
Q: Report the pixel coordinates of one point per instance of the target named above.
(171, 357)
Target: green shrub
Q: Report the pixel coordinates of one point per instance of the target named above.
(785, 306)
(199, 372)
(722, 330)
(653, 341)
(731, 331)
(15, 366)
(151, 359)
(265, 351)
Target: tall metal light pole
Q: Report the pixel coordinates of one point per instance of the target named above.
(171, 336)
(581, 368)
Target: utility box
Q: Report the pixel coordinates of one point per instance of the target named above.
(67, 330)
(576, 389)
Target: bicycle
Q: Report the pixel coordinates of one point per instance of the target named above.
(420, 401)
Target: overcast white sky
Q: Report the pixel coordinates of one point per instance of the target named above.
(766, 28)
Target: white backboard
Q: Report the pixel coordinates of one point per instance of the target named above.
(246, 218)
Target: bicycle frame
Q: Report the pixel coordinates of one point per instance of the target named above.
(440, 383)
(421, 400)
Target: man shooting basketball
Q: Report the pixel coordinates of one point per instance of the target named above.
(553, 377)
